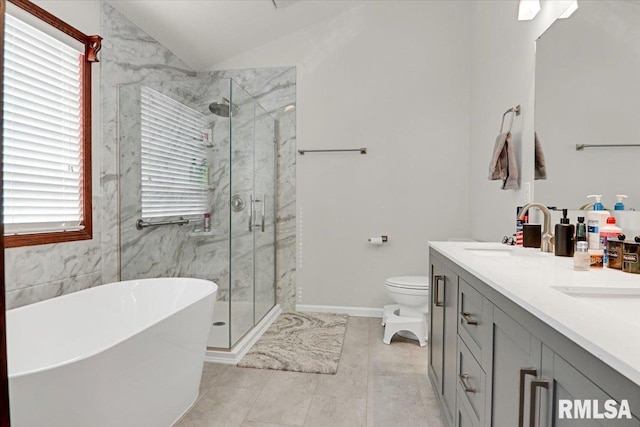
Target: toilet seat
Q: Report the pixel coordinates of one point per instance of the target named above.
(409, 282)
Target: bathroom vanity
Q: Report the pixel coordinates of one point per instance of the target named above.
(516, 335)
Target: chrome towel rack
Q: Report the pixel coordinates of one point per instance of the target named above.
(334, 150)
(140, 224)
(581, 147)
(515, 111)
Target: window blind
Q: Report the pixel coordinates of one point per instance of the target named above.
(175, 175)
(42, 132)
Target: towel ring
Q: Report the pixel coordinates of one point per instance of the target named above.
(515, 112)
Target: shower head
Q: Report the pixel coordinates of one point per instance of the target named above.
(223, 108)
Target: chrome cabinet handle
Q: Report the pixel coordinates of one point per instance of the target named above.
(463, 381)
(436, 291)
(467, 318)
(532, 411)
(523, 373)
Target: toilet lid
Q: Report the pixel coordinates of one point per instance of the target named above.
(409, 282)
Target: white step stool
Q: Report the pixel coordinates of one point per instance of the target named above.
(393, 323)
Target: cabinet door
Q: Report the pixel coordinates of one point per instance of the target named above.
(443, 336)
(566, 385)
(515, 362)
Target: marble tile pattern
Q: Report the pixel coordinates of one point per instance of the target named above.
(37, 273)
(153, 252)
(376, 385)
(300, 342)
(128, 55)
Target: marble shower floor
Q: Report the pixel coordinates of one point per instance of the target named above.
(376, 385)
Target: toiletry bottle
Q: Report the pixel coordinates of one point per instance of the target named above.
(564, 236)
(596, 219)
(610, 231)
(519, 226)
(581, 230)
(619, 204)
(207, 222)
(581, 257)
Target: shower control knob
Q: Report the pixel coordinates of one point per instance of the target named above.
(237, 203)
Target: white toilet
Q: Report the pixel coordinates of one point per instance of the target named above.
(407, 318)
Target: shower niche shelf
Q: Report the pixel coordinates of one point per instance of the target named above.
(213, 232)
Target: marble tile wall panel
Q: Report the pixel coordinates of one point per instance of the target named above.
(35, 273)
(42, 291)
(128, 55)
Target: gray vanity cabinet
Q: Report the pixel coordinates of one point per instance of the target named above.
(443, 336)
(515, 363)
(566, 382)
(491, 361)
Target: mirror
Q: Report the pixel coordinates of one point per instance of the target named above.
(587, 91)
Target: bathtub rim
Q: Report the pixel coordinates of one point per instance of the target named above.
(213, 290)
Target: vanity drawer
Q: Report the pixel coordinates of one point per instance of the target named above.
(471, 385)
(474, 319)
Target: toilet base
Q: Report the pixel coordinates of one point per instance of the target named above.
(393, 323)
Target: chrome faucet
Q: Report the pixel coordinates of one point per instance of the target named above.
(546, 244)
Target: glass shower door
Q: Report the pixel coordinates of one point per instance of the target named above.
(242, 210)
(264, 236)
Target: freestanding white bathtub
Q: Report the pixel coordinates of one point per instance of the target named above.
(122, 354)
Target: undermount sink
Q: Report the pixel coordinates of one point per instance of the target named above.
(500, 250)
(620, 302)
(491, 252)
(599, 292)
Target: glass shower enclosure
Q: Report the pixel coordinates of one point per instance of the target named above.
(187, 149)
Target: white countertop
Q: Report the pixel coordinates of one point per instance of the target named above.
(609, 328)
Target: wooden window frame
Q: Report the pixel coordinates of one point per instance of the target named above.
(92, 45)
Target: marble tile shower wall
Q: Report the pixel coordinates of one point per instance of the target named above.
(181, 254)
(146, 253)
(275, 89)
(128, 55)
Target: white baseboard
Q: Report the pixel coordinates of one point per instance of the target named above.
(351, 311)
(233, 356)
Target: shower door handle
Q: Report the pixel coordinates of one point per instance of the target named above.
(264, 198)
(253, 212)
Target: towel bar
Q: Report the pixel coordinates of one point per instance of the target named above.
(361, 150)
(581, 147)
(516, 112)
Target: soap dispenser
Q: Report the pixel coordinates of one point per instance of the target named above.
(564, 236)
(596, 219)
(619, 204)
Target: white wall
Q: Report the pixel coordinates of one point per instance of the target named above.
(502, 76)
(392, 76)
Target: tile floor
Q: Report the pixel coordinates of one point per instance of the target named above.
(376, 385)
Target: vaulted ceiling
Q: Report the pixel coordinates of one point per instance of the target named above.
(204, 32)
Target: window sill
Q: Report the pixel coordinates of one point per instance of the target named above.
(16, 241)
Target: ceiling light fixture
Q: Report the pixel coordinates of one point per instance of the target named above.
(569, 11)
(528, 9)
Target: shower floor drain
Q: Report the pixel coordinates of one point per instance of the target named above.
(219, 323)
